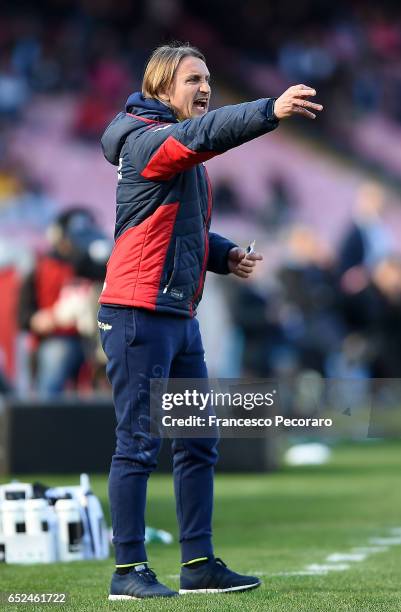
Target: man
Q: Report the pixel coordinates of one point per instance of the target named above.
(50, 296)
(153, 285)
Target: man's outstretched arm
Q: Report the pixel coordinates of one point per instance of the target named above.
(173, 148)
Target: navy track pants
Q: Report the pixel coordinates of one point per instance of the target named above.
(140, 345)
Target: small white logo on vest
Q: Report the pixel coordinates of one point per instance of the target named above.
(104, 326)
(178, 294)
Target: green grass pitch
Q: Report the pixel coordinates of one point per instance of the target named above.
(268, 524)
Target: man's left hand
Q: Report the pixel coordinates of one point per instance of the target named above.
(242, 264)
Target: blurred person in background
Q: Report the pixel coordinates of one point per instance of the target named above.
(278, 207)
(225, 198)
(5, 385)
(368, 239)
(309, 311)
(15, 262)
(373, 317)
(153, 285)
(23, 196)
(254, 309)
(367, 279)
(56, 295)
(14, 91)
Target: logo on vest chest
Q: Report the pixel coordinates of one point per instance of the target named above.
(177, 294)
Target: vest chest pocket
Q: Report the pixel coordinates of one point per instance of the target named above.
(176, 262)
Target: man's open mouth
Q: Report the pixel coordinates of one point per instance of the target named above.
(201, 104)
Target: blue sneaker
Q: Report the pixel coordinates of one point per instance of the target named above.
(139, 583)
(214, 576)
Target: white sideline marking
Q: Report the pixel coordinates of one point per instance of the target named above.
(337, 567)
(369, 549)
(383, 541)
(356, 554)
(395, 530)
(173, 575)
(303, 573)
(352, 556)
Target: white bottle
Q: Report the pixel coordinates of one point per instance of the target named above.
(99, 534)
(14, 491)
(70, 530)
(97, 543)
(14, 530)
(36, 516)
(13, 517)
(41, 535)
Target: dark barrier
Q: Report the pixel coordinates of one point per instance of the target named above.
(77, 435)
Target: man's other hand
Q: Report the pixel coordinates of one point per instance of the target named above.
(294, 101)
(242, 264)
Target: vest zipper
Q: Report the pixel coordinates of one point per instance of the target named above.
(175, 265)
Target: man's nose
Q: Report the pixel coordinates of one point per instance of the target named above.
(205, 87)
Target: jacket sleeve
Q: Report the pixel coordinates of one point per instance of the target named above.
(218, 253)
(160, 152)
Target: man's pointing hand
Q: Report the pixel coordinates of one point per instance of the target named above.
(295, 101)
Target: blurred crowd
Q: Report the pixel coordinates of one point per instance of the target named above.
(350, 51)
(51, 324)
(336, 313)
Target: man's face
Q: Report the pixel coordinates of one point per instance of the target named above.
(189, 94)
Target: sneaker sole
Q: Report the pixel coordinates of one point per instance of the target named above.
(244, 587)
(121, 597)
(125, 597)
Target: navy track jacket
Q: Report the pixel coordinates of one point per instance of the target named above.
(163, 245)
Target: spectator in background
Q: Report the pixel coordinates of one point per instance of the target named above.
(22, 197)
(107, 81)
(56, 297)
(368, 239)
(368, 280)
(92, 113)
(278, 207)
(254, 314)
(309, 310)
(374, 314)
(225, 198)
(14, 91)
(5, 386)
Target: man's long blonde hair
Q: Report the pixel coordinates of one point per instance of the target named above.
(161, 67)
